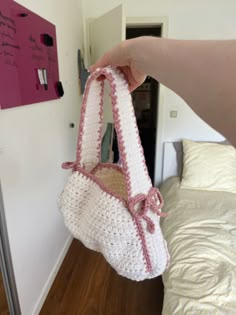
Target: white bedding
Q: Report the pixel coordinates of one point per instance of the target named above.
(201, 236)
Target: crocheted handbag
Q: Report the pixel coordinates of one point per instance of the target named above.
(114, 209)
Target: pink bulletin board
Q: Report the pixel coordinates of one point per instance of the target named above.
(27, 43)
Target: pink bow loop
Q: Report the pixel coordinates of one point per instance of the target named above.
(152, 201)
(68, 165)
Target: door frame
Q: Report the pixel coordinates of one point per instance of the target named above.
(163, 22)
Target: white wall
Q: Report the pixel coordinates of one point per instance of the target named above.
(34, 141)
(187, 19)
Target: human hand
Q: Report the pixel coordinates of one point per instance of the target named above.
(124, 57)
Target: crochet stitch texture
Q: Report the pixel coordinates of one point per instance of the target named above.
(114, 209)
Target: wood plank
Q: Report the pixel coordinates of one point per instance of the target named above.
(87, 285)
(3, 299)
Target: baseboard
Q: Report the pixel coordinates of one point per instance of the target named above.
(52, 277)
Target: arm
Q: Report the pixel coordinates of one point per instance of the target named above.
(203, 73)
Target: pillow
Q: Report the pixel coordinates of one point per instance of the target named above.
(209, 166)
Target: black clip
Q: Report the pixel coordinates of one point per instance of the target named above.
(60, 89)
(47, 40)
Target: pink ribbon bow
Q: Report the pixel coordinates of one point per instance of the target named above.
(153, 201)
(68, 165)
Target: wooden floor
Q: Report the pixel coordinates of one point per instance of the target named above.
(87, 285)
(3, 299)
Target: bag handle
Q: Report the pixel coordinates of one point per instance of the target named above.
(90, 130)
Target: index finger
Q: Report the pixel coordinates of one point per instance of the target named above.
(101, 63)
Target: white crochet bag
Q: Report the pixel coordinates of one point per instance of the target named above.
(114, 209)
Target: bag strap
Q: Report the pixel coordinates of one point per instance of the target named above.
(90, 130)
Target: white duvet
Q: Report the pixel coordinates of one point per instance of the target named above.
(201, 236)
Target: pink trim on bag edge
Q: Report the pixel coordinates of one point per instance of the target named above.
(99, 140)
(126, 170)
(121, 145)
(76, 168)
(111, 80)
(143, 244)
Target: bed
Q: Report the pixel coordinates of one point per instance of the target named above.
(201, 236)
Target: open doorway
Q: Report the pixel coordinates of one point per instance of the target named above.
(145, 101)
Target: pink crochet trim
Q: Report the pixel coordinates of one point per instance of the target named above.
(149, 201)
(99, 140)
(76, 168)
(115, 110)
(144, 244)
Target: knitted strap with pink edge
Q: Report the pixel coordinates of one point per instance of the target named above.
(90, 131)
(138, 183)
